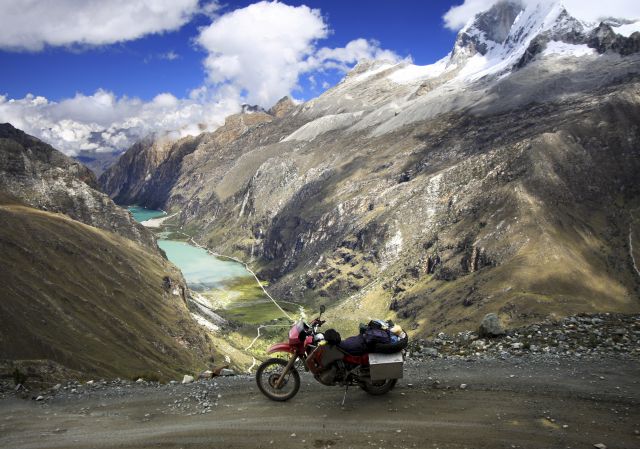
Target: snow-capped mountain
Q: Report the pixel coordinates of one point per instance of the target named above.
(479, 161)
(494, 46)
(497, 40)
(509, 35)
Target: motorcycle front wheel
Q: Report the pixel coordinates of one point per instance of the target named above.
(378, 387)
(267, 376)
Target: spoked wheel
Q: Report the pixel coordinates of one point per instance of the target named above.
(379, 387)
(267, 376)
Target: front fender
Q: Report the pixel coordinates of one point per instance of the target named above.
(280, 347)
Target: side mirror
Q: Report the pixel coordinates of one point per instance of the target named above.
(322, 309)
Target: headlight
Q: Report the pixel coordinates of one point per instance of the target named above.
(318, 337)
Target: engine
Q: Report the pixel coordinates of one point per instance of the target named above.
(328, 376)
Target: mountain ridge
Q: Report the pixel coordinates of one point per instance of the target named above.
(46, 179)
(351, 198)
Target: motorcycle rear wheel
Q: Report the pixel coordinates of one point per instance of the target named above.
(378, 388)
(267, 375)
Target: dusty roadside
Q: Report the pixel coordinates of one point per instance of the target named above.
(518, 402)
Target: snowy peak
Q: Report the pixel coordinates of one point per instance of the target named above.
(496, 40)
(496, 23)
(487, 29)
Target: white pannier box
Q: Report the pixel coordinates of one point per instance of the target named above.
(386, 366)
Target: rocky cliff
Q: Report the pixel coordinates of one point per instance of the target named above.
(502, 178)
(153, 170)
(44, 178)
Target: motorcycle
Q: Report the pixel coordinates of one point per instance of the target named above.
(279, 379)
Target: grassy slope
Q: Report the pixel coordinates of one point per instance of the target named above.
(90, 300)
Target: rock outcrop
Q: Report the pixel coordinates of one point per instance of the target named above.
(149, 172)
(44, 178)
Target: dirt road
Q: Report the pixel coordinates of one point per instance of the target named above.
(520, 402)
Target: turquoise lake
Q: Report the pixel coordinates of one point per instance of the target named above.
(201, 270)
(143, 214)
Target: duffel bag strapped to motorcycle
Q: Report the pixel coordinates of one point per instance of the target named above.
(393, 346)
(379, 338)
(354, 345)
(374, 336)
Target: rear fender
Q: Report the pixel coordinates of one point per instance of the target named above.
(281, 347)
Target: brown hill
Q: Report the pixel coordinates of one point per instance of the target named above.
(91, 300)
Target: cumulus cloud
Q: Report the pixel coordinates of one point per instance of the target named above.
(255, 55)
(587, 10)
(344, 58)
(31, 25)
(262, 50)
(104, 122)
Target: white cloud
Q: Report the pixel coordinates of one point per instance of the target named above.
(170, 55)
(256, 54)
(33, 24)
(103, 122)
(344, 58)
(261, 50)
(588, 10)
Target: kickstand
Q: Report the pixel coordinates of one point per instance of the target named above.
(344, 398)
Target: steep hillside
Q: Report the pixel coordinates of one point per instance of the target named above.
(150, 170)
(46, 179)
(90, 300)
(502, 178)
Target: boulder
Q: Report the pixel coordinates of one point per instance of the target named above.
(227, 372)
(218, 371)
(431, 352)
(491, 326)
(187, 379)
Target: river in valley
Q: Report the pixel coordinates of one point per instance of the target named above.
(201, 270)
(223, 285)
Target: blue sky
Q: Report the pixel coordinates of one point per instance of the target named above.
(140, 68)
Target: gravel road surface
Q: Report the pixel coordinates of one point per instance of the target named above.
(519, 402)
